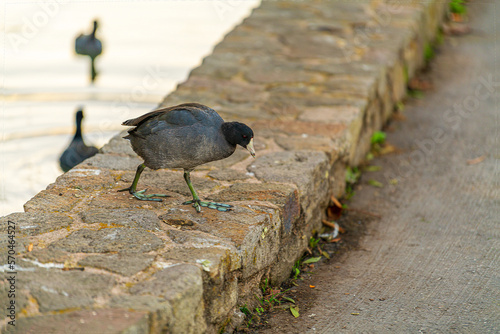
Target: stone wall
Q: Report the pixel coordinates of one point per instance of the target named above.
(314, 80)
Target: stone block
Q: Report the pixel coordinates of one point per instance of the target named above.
(227, 90)
(159, 310)
(221, 299)
(397, 78)
(350, 69)
(252, 228)
(52, 201)
(33, 223)
(131, 218)
(265, 73)
(216, 262)
(125, 265)
(330, 114)
(361, 86)
(6, 289)
(121, 240)
(294, 167)
(192, 238)
(372, 121)
(45, 255)
(182, 286)
(109, 321)
(291, 249)
(56, 290)
(251, 44)
(113, 162)
(309, 170)
(319, 45)
(310, 142)
(80, 180)
(285, 197)
(220, 66)
(272, 128)
(228, 174)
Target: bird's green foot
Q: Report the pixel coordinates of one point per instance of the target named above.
(143, 197)
(197, 204)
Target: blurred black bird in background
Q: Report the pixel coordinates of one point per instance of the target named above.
(77, 150)
(89, 45)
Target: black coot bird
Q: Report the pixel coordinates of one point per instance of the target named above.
(184, 136)
(77, 151)
(89, 45)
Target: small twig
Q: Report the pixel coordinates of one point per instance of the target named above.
(476, 160)
(336, 202)
(329, 224)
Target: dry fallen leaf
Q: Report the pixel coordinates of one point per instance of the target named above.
(312, 286)
(375, 183)
(420, 84)
(335, 240)
(456, 17)
(399, 116)
(457, 28)
(387, 149)
(325, 254)
(30, 247)
(311, 260)
(476, 160)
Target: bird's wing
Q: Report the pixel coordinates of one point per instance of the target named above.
(173, 117)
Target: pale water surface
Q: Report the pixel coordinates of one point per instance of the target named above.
(149, 47)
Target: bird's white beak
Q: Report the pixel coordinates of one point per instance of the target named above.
(250, 148)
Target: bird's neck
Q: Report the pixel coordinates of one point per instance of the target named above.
(92, 35)
(78, 133)
(227, 129)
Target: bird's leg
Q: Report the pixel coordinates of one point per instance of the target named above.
(140, 194)
(93, 72)
(197, 203)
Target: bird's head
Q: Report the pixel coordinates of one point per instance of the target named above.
(238, 133)
(79, 114)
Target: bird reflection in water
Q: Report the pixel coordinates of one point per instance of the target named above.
(91, 46)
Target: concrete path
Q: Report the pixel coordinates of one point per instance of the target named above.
(431, 264)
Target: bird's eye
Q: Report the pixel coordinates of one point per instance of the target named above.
(244, 136)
